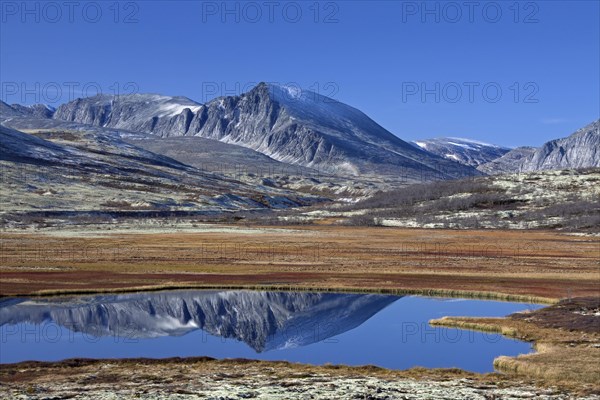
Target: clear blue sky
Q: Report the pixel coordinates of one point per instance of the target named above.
(376, 56)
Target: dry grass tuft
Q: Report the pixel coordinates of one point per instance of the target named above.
(567, 345)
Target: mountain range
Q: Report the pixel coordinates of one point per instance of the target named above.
(272, 147)
(295, 127)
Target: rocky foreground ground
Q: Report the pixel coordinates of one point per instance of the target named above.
(242, 379)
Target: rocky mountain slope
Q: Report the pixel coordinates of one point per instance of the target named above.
(212, 156)
(136, 112)
(509, 162)
(67, 169)
(465, 151)
(286, 124)
(579, 150)
(263, 320)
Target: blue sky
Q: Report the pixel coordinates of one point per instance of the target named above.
(503, 72)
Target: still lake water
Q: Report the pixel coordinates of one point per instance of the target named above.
(307, 327)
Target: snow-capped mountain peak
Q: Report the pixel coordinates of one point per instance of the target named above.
(465, 151)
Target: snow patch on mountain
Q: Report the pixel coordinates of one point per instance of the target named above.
(465, 151)
(175, 109)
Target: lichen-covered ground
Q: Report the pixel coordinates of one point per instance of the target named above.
(243, 379)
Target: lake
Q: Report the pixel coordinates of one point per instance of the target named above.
(308, 327)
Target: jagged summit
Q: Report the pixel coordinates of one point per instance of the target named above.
(323, 110)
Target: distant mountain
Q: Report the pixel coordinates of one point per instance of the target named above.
(263, 320)
(286, 124)
(18, 110)
(465, 151)
(150, 113)
(579, 150)
(509, 162)
(281, 126)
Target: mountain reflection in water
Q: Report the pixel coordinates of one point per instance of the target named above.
(263, 320)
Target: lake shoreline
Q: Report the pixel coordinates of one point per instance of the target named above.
(543, 266)
(434, 293)
(560, 368)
